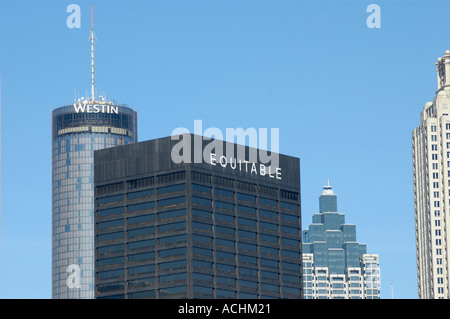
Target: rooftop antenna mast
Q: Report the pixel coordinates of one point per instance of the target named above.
(92, 36)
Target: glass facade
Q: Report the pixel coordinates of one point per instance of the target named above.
(75, 137)
(197, 234)
(335, 265)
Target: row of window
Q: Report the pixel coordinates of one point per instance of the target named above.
(205, 292)
(201, 177)
(181, 251)
(196, 200)
(179, 226)
(202, 265)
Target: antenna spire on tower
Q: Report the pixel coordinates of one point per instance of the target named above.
(92, 54)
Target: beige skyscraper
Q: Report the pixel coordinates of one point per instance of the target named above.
(431, 170)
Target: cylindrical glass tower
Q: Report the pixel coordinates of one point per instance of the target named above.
(77, 131)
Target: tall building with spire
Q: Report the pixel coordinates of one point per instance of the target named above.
(78, 130)
(431, 178)
(335, 265)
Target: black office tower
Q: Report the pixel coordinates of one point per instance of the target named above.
(211, 225)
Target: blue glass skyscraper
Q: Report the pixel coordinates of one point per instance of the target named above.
(75, 137)
(335, 264)
(77, 131)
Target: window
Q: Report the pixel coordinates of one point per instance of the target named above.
(246, 197)
(202, 277)
(110, 199)
(201, 188)
(201, 213)
(172, 189)
(246, 246)
(246, 234)
(172, 290)
(268, 214)
(224, 255)
(268, 226)
(202, 251)
(201, 226)
(267, 201)
(141, 231)
(142, 294)
(202, 264)
(289, 218)
(141, 219)
(172, 227)
(110, 211)
(201, 239)
(141, 194)
(110, 236)
(172, 265)
(201, 201)
(141, 244)
(246, 209)
(224, 218)
(223, 192)
(201, 177)
(170, 178)
(246, 222)
(172, 214)
(225, 242)
(110, 249)
(141, 206)
(268, 250)
(172, 252)
(141, 257)
(225, 268)
(110, 274)
(172, 239)
(117, 187)
(141, 270)
(110, 224)
(142, 182)
(110, 261)
(172, 201)
(224, 230)
(223, 205)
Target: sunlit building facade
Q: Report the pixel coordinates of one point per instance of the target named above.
(431, 177)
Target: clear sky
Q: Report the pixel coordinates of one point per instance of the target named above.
(345, 98)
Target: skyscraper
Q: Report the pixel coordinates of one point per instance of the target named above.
(335, 265)
(222, 228)
(431, 178)
(77, 131)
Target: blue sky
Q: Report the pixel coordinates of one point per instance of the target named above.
(344, 97)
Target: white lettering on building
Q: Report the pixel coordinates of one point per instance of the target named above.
(84, 107)
(243, 165)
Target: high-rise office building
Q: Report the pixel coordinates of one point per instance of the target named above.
(77, 131)
(431, 177)
(224, 227)
(335, 265)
